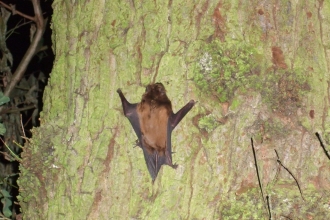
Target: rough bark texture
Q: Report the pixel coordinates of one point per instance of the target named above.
(257, 69)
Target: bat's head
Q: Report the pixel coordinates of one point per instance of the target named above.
(156, 93)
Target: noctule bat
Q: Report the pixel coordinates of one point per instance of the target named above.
(153, 121)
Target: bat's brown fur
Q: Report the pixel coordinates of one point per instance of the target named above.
(153, 112)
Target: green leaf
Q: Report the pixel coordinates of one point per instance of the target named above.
(6, 204)
(2, 129)
(6, 201)
(4, 99)
(4, 193)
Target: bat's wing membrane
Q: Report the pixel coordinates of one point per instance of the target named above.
(131, 113)
(177, 117)
(154, 161)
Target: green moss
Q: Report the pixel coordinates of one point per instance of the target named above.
(275, 128)
(247, 205)
(234, 104)
(208, 122)
(283, 91)
(223, 67)
(306, 122)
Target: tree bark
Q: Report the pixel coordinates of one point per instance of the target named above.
(257, 69)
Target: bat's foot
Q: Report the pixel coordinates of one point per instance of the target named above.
(137, 143)
(174, 166)
(119, 91)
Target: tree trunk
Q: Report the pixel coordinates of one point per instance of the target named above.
(258, 70)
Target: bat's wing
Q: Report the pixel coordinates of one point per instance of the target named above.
(154, 161)
(176, 118)
(131, 113)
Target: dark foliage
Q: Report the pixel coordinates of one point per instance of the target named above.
(19, 29)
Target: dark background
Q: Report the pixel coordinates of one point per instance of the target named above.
(18, 43)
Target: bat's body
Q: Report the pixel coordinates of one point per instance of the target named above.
(153, 121)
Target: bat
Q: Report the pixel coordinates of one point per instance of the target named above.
(153, 121)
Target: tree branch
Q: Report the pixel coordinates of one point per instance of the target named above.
(322, 145)
(278, 160)
(16, 110)
(40, 23)
(260, 186)
(14, 11)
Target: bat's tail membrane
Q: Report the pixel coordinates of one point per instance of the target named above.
(154, 162)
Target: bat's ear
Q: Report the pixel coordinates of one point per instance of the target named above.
(148, 88)
(160, 84)
(161, 88)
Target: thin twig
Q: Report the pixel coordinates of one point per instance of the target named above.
(11, 152)
(13, 9)
(322, 145)
(8, 182)
(11, 31)
(22, 125)
(256, 165)
(3, 217)
(16, 110)
(270, 214)
(27, 121)
(259, 181)
(278, 160)
(18, 145)
(40, 24)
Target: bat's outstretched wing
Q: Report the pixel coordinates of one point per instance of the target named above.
(176, 118)
(173, 121)
(132, 115)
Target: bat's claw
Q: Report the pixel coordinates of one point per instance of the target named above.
(193, 102)
(137, 143)
(174, 166)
